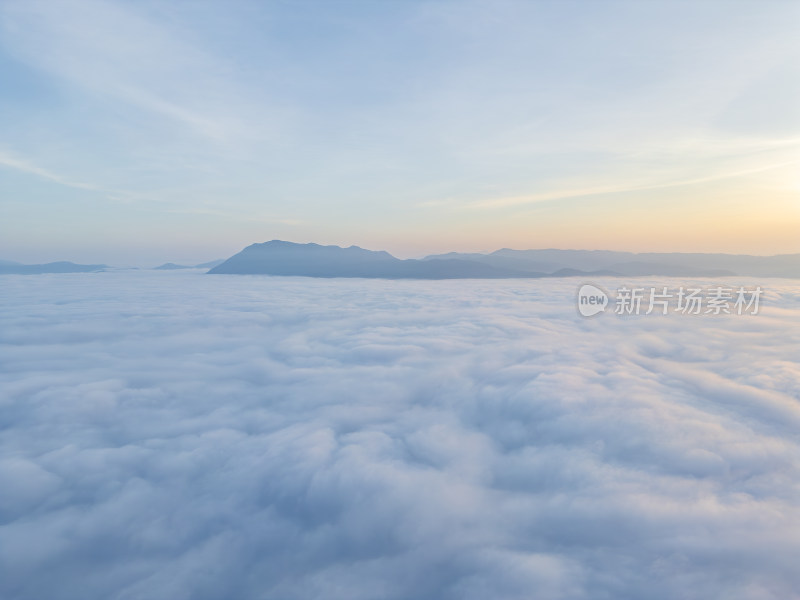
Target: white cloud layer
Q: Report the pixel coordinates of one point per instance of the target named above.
(176, 435)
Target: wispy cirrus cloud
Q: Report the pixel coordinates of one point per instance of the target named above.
(128, 54)
(622, 187)
(360, 116)
(10, 161)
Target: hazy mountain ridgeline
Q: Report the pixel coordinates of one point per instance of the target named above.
(10, 267)
(170, 267)
(672, 264)
(210, 264)
(173, 267)
(313, 260)
(14, 268)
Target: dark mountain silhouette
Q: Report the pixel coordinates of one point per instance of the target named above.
(312, 260)
(12, 268)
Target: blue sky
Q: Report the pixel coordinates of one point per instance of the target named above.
(139, 132)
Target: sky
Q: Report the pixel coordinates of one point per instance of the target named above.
(163, 435)
(133, 133)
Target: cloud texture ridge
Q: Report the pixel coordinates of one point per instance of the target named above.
(173, 435)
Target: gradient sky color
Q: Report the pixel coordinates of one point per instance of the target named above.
(140, 132)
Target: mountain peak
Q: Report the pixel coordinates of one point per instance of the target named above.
(277, 257)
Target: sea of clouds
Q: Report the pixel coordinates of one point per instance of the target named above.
(178, 435)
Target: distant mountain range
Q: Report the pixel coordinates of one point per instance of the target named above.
(8, 267)
(206, 265)
(313, 260)
(673, 264)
